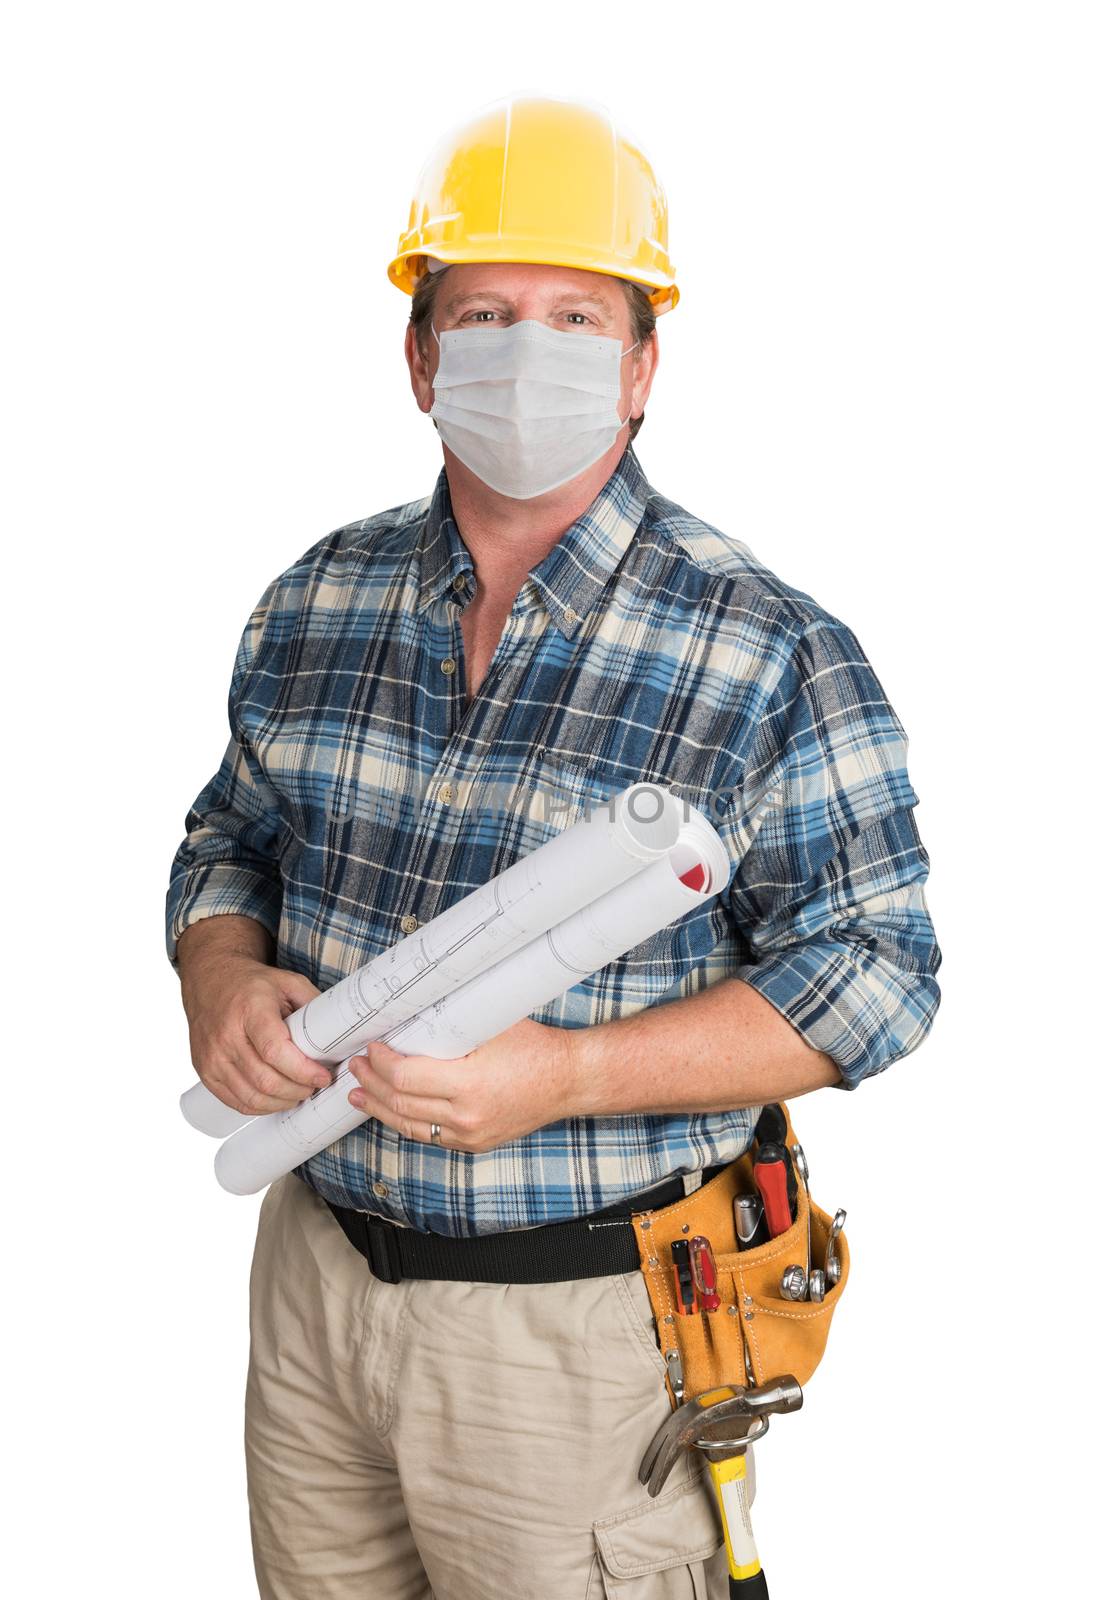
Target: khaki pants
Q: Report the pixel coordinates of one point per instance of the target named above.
(457, 1441)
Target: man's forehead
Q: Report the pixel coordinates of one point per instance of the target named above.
(508, 281)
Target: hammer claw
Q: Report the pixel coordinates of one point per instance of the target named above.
(734, 1415)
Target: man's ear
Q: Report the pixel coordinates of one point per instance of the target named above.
(418, 370)
(640, 397)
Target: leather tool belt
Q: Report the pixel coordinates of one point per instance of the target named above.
(584, 1247)
(755, 1334)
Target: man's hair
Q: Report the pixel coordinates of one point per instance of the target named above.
(424, 304)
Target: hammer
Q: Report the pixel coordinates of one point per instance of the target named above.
(739, 1416)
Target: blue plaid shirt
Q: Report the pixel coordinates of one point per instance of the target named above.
(360, 795)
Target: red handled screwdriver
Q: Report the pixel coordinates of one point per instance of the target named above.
(704, 1273)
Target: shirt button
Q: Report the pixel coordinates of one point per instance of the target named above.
(380, 1189)
(408, 923)
(569, 614)
(459, 581)
(446, 793)
(448, 665)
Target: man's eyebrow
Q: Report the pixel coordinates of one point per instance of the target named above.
(458, 300)
(567, 299)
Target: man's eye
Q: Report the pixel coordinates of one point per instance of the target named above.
(480, 314)
(579, 314)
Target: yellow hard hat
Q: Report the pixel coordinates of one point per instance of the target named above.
(538, 179)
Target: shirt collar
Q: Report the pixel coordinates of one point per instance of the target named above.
(574, 571)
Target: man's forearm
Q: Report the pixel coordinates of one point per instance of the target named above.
(714, 1051)
(218, 939)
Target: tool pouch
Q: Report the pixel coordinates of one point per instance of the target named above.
(755, 1335)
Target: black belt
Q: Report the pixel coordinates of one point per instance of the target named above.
(585, 1247)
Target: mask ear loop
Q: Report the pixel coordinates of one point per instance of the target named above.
(624, 353)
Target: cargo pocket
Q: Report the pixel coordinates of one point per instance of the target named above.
(660, 1549)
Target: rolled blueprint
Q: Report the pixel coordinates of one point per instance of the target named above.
(686, 875)
(207, 1113)
(616, 840)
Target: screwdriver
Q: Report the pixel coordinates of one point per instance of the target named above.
(683, 1278)
(704, 1273)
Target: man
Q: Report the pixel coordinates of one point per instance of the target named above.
(424, 697)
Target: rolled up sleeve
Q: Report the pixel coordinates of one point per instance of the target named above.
(829, 889)
(227, 863)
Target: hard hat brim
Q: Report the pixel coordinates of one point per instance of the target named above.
(409, 266)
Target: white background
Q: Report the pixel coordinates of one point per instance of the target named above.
(883, 376)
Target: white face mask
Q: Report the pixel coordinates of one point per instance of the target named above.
(527, 407)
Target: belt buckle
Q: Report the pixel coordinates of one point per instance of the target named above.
(382, 1250)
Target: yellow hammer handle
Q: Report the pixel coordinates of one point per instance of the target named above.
(731, 1491)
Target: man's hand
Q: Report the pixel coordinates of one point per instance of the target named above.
(518, 1081)
(236, 1004)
